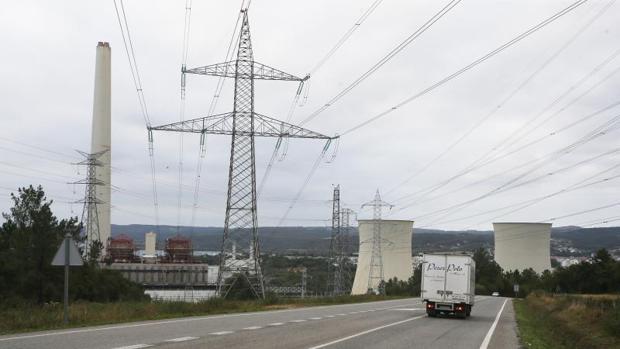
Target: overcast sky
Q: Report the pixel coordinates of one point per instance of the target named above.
(46, 89)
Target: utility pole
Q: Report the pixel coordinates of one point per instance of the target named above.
(243, 124)
(90, 213)
(376, 280)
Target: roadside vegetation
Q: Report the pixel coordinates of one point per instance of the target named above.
(548, 321)
(34, 317)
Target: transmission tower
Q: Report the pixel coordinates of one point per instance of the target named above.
(243, 124)
(90, 217)
(334, 270)
(375, 278)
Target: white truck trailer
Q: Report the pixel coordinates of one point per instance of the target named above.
(448, 284)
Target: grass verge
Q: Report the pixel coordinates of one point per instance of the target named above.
(30, 317)
(568, 321)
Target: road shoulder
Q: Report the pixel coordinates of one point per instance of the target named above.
(506, 335)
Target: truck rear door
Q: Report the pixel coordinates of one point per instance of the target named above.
(457, 279)
(434, 277)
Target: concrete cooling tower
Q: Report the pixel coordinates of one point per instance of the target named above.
(520, 246)
(395, 251)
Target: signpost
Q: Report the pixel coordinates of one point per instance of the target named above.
(515, 288)
(67, 255)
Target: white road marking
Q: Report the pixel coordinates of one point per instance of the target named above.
(341, 314)
(276, 324)
(331, 316)
(253, 328)
(221, 333)
(300, 320)
(135, 346)
(186, 319)
(181, 339)
(315, 318)
(366, 332)
(487, 338)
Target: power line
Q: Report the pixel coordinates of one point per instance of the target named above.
(346, 36)
(511, 184)
(509, 97)
(470, 65)
(527, 203)
(135, 73)
(482, 161)
(385, 59)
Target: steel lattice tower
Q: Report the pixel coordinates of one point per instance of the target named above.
(338, 268)
(334, 269)
(90, 217)
(243, 124)
(375, 276)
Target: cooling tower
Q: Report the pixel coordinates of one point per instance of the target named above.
(519, 246)
(101, 136)
(395, 251)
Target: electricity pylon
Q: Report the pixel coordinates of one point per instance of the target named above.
(334, 268)
(243, 124)
(90, 217)
(376, 280)
(338, 269)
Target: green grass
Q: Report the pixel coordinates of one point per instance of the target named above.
(568, 322)
(30, 317)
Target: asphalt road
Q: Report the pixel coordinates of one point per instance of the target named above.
(388, 324)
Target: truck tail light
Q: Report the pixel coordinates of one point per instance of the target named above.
(430, 305)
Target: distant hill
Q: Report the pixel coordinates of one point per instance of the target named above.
(315, 240)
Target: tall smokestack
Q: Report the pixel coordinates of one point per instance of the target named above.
(101, 136)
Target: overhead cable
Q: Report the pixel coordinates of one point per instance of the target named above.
(470, 65)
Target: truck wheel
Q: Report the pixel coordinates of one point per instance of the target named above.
(431, 313)
(469, 310)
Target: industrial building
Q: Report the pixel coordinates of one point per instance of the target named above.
(520, 246)
(395, 252)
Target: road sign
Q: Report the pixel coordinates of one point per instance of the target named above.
(66, 256)
(75, 259)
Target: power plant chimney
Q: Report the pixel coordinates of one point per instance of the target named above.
(101, 136)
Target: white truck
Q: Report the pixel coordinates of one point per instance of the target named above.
(448, 284)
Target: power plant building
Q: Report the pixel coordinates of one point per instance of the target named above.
(519, 246)
(395, 252)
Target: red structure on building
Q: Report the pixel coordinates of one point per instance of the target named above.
(120, 249)
(179, 250)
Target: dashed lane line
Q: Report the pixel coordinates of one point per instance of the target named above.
(251, 328)
(315, 318)
(220, 333)
(366, 332)
(135, 346)
(181, 339)
(300, 320)
(276, 324)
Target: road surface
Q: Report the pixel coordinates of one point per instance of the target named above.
(388, 324)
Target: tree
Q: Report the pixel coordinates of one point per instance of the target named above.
(488, 273)
(28, 241)
(29, 238)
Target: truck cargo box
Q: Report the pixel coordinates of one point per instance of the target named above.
(448, 283)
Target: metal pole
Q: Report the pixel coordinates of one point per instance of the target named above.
(66, 305)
